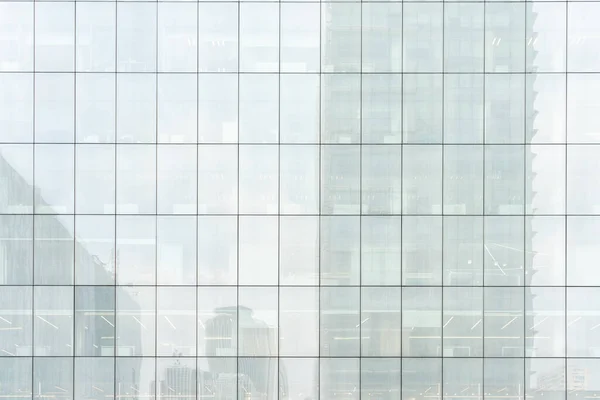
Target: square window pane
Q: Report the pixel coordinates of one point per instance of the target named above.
(545, 251)
(176, 321)
(463, 317)
(463, 179)
(179, 377)
(176, 181)
(381, 250)
(53, 377)
(136, 321)
(135, 377)
(54, 178)
(177, 108)
(381, 108)
(54, 107)
(339, 322)
(299, 378)
(136, 107)
(299, 179)
(258, 250)
(299, 321)
(176, 250)
(463, 37)
(380, 328)
(422, 174)
(380, 376)
(504, 108)
(16, 103)
(420, 375)
(421, 250)
(16, 242)
(381, 179)
(136, 179)
(217, 377)
(340, 250)
(545, 100)
(218, 179)
(95, 36)
(421, 321)
(536, 373)
(259, 37)
(583, 237)
(299, 250)
(422, 108)
(136, 250)
(546, 169)
(504, 245)
(340, 179)
(546, 45)
(505, 33)
(545, 322)
(258, 378)
(95, 178)
(504, 179)
(137, 38)
(95, 108)
(505, 375)
(463, 108)
(16, 176)
(218, 37)
(259, 108)
(583, 109)
(583, 37)
(381, 37)
(339, 375)
(54, 34)
(423, 33)
(583, 167)
(53, 250)
(53, 323)
(94, 378)
(16, 309)
(217, 324)
(217, 108)
(16, 379)
(258, 180)
(463, 250)
(95, 328)
(16, 27)
(582, 320)
(217, 250)
(340, 108)
(504, 309)
(300, 37)
(95, 255)
(177, 37)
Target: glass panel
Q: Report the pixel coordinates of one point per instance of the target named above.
(583, 125)
(583, 235)
(421, 378)
(53, 323)
(95, 178)
(136, 107)
(547, 37)
(95, 255)
(340, 250)
(299, 250)
(545, 322)
(136, 321)
(545, 251)
(16, 321)
(339, 322)
(218, 38)
(257, 378)
(340, 179)
(135, 377)
(541, 378)
(177, 37)
(136, 250)
(176, 250)
(177, 108)
(54, 36)
(258, 251)
(503, 324)
(177, 166)
(504, 179)
(217, 324)
(463, 378)
(545, 100)
(217, 250)
(340, 375)
(505, 33)
(259, 37)
(95, 36)
(176, 378)
(16, 176)
(300, 36)
(217, 179)
(299, 321)
(54, 179)
(380, 326)
(16, 27)
(299, 179)
(54, 107)
(258, 179)
(463, 179)
(422, 174)
(582, 320)
(258, 322)
(217, 108)
(421, 321)
(583, 166)
(16, 103)
(380, 377)
(381, 108)
(381, 179)
(463, 328)
(583, 37)
(15, 380)
(546, 168)
(504, 248)
(340, 107)
(53, 377)
(217, 377)
(94, 378)
(137, 38)
(95, 330)
(259, 107)
(381, 250)
(16, 248)
(423, 33)
(504, 375)
(176, 321)
(504, 108)
(463, 108)
(463, 37)
(463, 250)
(136, 179)
(421, 250)
(299, 107)
(381, 37)
(423, 108)
(580, 369)
(340, 37)
(95, 108)
(299, 378)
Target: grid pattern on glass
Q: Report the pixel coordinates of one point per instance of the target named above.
(299, 199)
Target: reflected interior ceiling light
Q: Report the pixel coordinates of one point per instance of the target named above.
(59, 388)
(170, 323)
(543, 319)
(97, 388)
(140, 322)
(107, 321)
(509, 322)
(8, 352)
(573, 321)
(447, 322)
(5, 320)
(48, 322)
(494, 259)
(594, 327)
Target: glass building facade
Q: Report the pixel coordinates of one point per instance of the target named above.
(299, 200)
